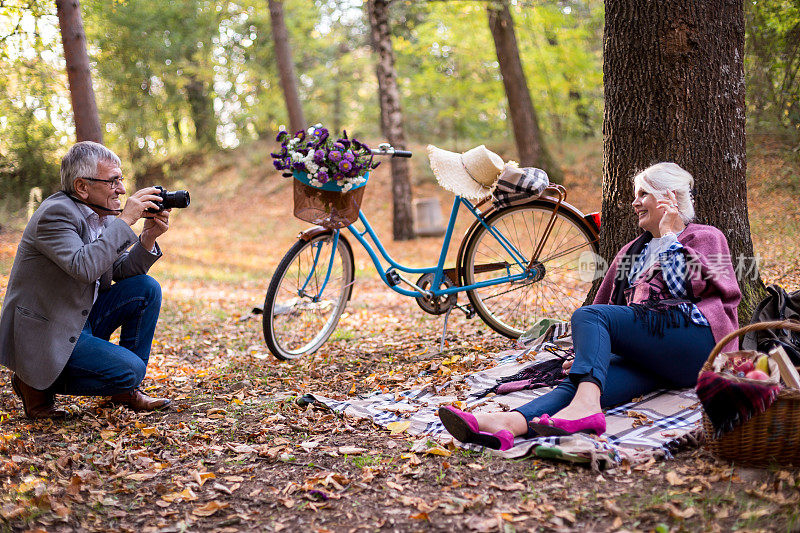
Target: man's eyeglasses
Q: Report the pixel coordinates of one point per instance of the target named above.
(114, 183)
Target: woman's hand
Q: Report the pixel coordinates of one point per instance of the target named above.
(671, 221)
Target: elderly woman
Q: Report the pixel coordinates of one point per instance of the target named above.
(666, 300)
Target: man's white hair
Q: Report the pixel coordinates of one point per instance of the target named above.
(662, 178)
(81, 160)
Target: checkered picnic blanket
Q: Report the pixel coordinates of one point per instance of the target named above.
(653, 426)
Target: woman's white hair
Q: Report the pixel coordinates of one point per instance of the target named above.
(81, 160)
(662, 178)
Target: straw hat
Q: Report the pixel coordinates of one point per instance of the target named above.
(470, 175)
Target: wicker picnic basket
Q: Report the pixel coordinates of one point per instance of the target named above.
(329, 208)
(772, 437)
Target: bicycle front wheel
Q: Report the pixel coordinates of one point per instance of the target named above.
(557, 284)
(301, 309)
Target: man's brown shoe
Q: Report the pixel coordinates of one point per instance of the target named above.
(36, 403)
(139, 401)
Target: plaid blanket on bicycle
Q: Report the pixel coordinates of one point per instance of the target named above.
(653, 426)
(517, 186)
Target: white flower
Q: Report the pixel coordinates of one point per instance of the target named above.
(312, 167)
(311, 130)
(347, 187)
(297, 156)
(282, 127)
(318, 125)
(292, 142)
(315, 182)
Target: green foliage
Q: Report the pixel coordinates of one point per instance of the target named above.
(772, 64)
(33, 108)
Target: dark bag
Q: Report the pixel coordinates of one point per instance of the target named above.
(779, 305)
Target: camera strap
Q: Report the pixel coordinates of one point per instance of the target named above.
(78, 200)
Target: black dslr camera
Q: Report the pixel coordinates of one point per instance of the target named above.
(170, 199)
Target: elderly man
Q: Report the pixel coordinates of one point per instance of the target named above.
(61, 306)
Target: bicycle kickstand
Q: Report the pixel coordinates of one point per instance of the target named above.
(444, 329)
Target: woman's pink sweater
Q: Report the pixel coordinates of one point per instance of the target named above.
(710, 271)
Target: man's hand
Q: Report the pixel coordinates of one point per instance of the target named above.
(138, 203)
(154, 227)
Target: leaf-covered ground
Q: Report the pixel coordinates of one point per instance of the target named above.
(239, 453)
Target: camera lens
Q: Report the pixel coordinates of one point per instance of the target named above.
(179, 199)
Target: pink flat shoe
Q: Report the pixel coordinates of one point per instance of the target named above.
(548, 427)
(464, 427)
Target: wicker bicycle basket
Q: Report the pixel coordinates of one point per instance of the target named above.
(328, 208)
(772, 437)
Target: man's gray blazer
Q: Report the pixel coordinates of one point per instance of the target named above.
(52, 284)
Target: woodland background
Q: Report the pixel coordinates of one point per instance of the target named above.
(186, 77)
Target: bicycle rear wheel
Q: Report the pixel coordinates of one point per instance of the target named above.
(298, 318)
(556, 286)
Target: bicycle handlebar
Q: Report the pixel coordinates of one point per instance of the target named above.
(388, 149)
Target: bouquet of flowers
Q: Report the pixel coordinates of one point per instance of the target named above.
(340, 163)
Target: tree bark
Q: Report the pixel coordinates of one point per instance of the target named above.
(79, 77)
(202, 109)
(674, 91)
(391, 117)
(530, 143)
(283, 54)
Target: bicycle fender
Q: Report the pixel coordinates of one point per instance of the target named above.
(313, 231)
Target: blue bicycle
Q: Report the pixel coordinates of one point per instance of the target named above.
(516, 265)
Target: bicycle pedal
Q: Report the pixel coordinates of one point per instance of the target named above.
(468, 310)
(392, 278)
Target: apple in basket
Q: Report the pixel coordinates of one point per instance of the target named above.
(743, 365)
(757, 374)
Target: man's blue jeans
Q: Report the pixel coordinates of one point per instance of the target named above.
(98, 367)
(626, 359)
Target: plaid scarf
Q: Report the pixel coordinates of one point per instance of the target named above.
(730, 402)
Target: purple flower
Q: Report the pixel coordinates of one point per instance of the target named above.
(322, 176)
(348, 155)
(344, 142)
(319, 156)
(335, 155)
(278, 164)
(345, 166)
(299, 166)
(338, 145)
(282, 136)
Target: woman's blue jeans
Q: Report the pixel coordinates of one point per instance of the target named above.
(625, 359)
(98, 367)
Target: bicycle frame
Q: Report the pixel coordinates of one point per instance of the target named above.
(526, 265)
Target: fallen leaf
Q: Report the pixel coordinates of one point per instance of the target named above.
(437, 450)
(398, 427)
(674, 479)
(209, 509)
(351, 450)
(202, 477)
(150, 431)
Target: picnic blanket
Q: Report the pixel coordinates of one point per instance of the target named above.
(652, 426)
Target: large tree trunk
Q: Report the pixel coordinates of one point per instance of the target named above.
(283, 53)
(391, 117)
(202, 109)
(528, 136)
(674, 91)
(84, 107)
